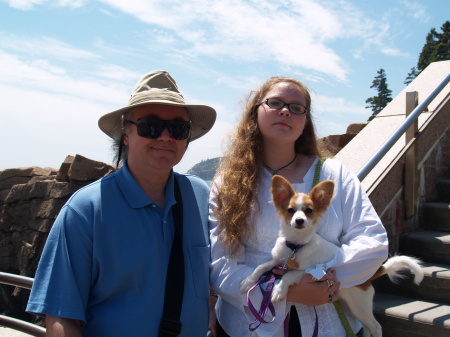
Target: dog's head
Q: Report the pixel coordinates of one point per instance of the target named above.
(299, 211)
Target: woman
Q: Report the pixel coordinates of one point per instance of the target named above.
(276, 136)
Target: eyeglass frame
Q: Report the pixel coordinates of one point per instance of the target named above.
(266, 101)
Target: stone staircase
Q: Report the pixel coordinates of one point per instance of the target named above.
(407, 310)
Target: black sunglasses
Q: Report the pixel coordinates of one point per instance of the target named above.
(153, 127)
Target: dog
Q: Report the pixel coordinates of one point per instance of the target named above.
(301, 214)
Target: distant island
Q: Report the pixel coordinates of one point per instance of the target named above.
(206, 169)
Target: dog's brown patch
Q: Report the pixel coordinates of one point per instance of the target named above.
(380, 272)
(282, 192)
(322, 195)
(308, 204)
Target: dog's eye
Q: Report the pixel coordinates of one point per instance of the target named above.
(308, 211)
(291, 210)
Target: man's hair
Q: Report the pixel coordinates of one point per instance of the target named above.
(120, 149)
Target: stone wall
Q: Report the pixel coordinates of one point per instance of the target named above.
(433, 163)
(30, 200)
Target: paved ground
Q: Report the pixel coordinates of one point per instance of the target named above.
(5, 332)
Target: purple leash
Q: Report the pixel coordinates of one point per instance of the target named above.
(266, 304)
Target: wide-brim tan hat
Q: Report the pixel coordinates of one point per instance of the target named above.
(158, 87)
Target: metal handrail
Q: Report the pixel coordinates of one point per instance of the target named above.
(14, 323)
(26, 327)
(16, 280)
(370, 164)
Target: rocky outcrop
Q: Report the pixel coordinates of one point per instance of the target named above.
(30, 200)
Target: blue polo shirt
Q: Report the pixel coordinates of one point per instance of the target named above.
(105, 260)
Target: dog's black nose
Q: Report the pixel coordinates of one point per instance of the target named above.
(299, 222)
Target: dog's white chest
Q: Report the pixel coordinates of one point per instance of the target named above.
(315, 252)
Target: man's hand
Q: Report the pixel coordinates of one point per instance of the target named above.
(212, 315)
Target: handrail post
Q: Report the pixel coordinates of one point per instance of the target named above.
(411, 172)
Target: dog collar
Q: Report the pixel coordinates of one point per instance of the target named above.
(293, 246)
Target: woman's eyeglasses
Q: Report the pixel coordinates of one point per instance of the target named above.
(153, 127)
(277, 104)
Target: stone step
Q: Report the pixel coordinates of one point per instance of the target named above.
(409, 317)
(429, 246)
(434, 287)
(443, 189)
(435, 216)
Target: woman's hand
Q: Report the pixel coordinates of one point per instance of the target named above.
(311, 291)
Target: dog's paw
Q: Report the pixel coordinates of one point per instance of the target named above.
(247, 284)
(279, 293)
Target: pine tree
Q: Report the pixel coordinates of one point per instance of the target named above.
(411, 75)
(377, 103)
(436, 48)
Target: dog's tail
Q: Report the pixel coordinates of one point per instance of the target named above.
(400, 262)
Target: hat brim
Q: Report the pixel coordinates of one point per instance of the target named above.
(203, 118)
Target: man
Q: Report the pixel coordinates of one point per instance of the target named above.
(103, 269)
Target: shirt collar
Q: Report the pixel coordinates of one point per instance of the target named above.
(134, 193)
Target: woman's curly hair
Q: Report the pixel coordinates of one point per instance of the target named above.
(239, 168)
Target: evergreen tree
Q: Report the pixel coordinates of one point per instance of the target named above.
(378, 102)
(411, 75)
(436, 48)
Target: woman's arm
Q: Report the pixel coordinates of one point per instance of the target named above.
(227, 271)
(363, 240)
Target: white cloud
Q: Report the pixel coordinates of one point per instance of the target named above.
(206, 38)
(393, 52)
(42, 76)
(23, 4)
(289, 32)
(338, 106)
(116, 73)
(416, 10)
(50, 112)
(43, 46)
(297, 33)
(332, 115)
(43, 128)
(30, 4)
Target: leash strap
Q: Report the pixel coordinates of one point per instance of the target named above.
(266, 304)
(337, 305)
(317, 171)
(348, 329)
(173, 297)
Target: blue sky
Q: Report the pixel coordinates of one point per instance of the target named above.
(64, 63)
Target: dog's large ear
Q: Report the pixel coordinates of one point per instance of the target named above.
(322, 194)
(282, 191)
